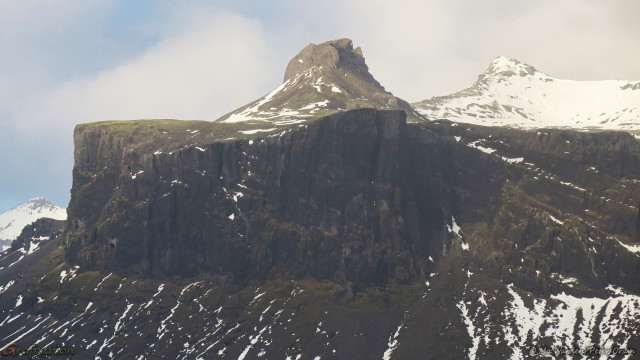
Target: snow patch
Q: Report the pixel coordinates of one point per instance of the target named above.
(632, 248)
(556, 220)
(485, 150)
(250, 132)
(454, 228)
(392, 344)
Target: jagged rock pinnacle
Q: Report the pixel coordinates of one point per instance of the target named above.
(331, 54)
(320, 80)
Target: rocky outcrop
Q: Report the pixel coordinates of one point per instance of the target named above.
(290, 228)
(332, 55)
(320, 80)
(41, 230)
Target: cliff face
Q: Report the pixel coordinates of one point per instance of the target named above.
(353, 236)
(335, 199)
(358, 197)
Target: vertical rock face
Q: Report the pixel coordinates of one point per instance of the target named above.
(335, 199)
(359, 197)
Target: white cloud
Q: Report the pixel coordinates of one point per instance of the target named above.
(410, 46)
(581, 40)
(204, 67)
(200, 73)
(418, 49)
(37, 43)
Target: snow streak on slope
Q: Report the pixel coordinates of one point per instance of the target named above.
(13, 221)
(257, 110)
(559, 322)
(514, 94)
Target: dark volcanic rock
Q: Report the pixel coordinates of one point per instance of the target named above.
(333, 199)
(359, 197)
(355, 236)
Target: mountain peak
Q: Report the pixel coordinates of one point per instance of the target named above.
(332, 54)
(13, 221)
(507, 66)
(320, 80)
(514, 94)
(39, 202)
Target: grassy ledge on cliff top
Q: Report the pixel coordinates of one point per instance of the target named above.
(168, 134)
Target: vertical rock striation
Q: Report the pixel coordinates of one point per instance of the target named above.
(338, 198)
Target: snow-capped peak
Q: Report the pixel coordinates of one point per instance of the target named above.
(13, 221)
(513, 94)
(505, 70)
(509, 66)
(39, 204)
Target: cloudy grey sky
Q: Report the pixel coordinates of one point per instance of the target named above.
(65, 62)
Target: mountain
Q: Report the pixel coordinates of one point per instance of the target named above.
(13, 221)
(357, 235)
(320, 80)
(513, 94)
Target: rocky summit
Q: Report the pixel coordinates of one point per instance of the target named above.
(321, 80)
(356, 235)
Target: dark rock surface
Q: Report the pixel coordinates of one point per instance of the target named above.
(354, 236)
(331, 54)
(358, 197)
(40, 230)
(334, 199)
